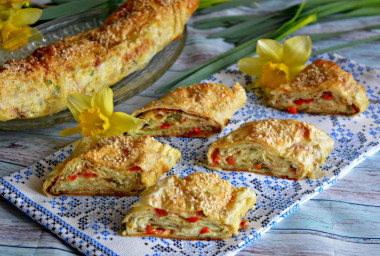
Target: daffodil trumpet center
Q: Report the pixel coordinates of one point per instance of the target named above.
(274, 74)
(93, 122)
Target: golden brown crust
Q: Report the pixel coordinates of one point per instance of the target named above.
(172, 202)
(284, 148)
(117, 165)
(209, 101)
(39, 85)
(321, 88)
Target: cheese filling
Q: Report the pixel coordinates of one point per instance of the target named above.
(325, 102)
(161, 122)
(256, 160)
(173, 225)
(102, 180)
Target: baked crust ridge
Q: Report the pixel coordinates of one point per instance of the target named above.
(40, 84)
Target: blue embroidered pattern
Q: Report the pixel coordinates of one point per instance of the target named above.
(93, 224)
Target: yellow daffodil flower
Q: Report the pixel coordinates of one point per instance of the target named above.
(14, 24)
(95, 115)
(277, 63)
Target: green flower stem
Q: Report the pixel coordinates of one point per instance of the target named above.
(341, 46)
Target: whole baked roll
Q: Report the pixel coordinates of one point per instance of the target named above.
(39, 84)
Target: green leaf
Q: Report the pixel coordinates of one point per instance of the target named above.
(223, 21)
(61, 1)
(208, 3)
(361, 12)
(341, 46)
(70, 8)
(297, 25)
(321, 36)
(248, 27)
(226, 5)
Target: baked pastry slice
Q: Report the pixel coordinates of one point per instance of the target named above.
(198, 206)
(111, 166)
(321, 88)
(199, 110)
(282, 148)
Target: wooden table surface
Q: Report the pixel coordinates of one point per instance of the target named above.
(344, 220)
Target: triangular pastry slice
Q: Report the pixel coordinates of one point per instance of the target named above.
(111, 166)
(282, 148)
(198, 206)
(200, 110)
(321, 88)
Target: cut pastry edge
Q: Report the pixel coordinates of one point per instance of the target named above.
(195, 227)
(253, 158)
(81, 175)
(100, 181)
(195, 223)
(176, 122)
(316, 102)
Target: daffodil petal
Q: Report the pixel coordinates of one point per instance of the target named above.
(104, 101)
(4, 14)
(36, 35)
(269, 49)
(70, 131)
(295, 70)
(296, 50)
(274, 74)
(251, 66)
(122, 122)
(26, 17)
(78, 102)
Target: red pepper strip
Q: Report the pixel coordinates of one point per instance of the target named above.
(258, 166)
(308, 101)
(194, 132)
(215, 161)
(243, 222)
(205, 230)
(292, 110)
(161, 212)
(214, 156)
(299, 102)
(165, 125)
(89, 175)
(197, 131)
(193, 219)
(149, 230)
(230, 160)
(327, 96)
(135, 168)
(73, 177)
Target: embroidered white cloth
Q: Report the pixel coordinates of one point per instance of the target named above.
(92, 224)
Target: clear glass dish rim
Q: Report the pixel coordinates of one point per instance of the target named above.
(65, 116)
